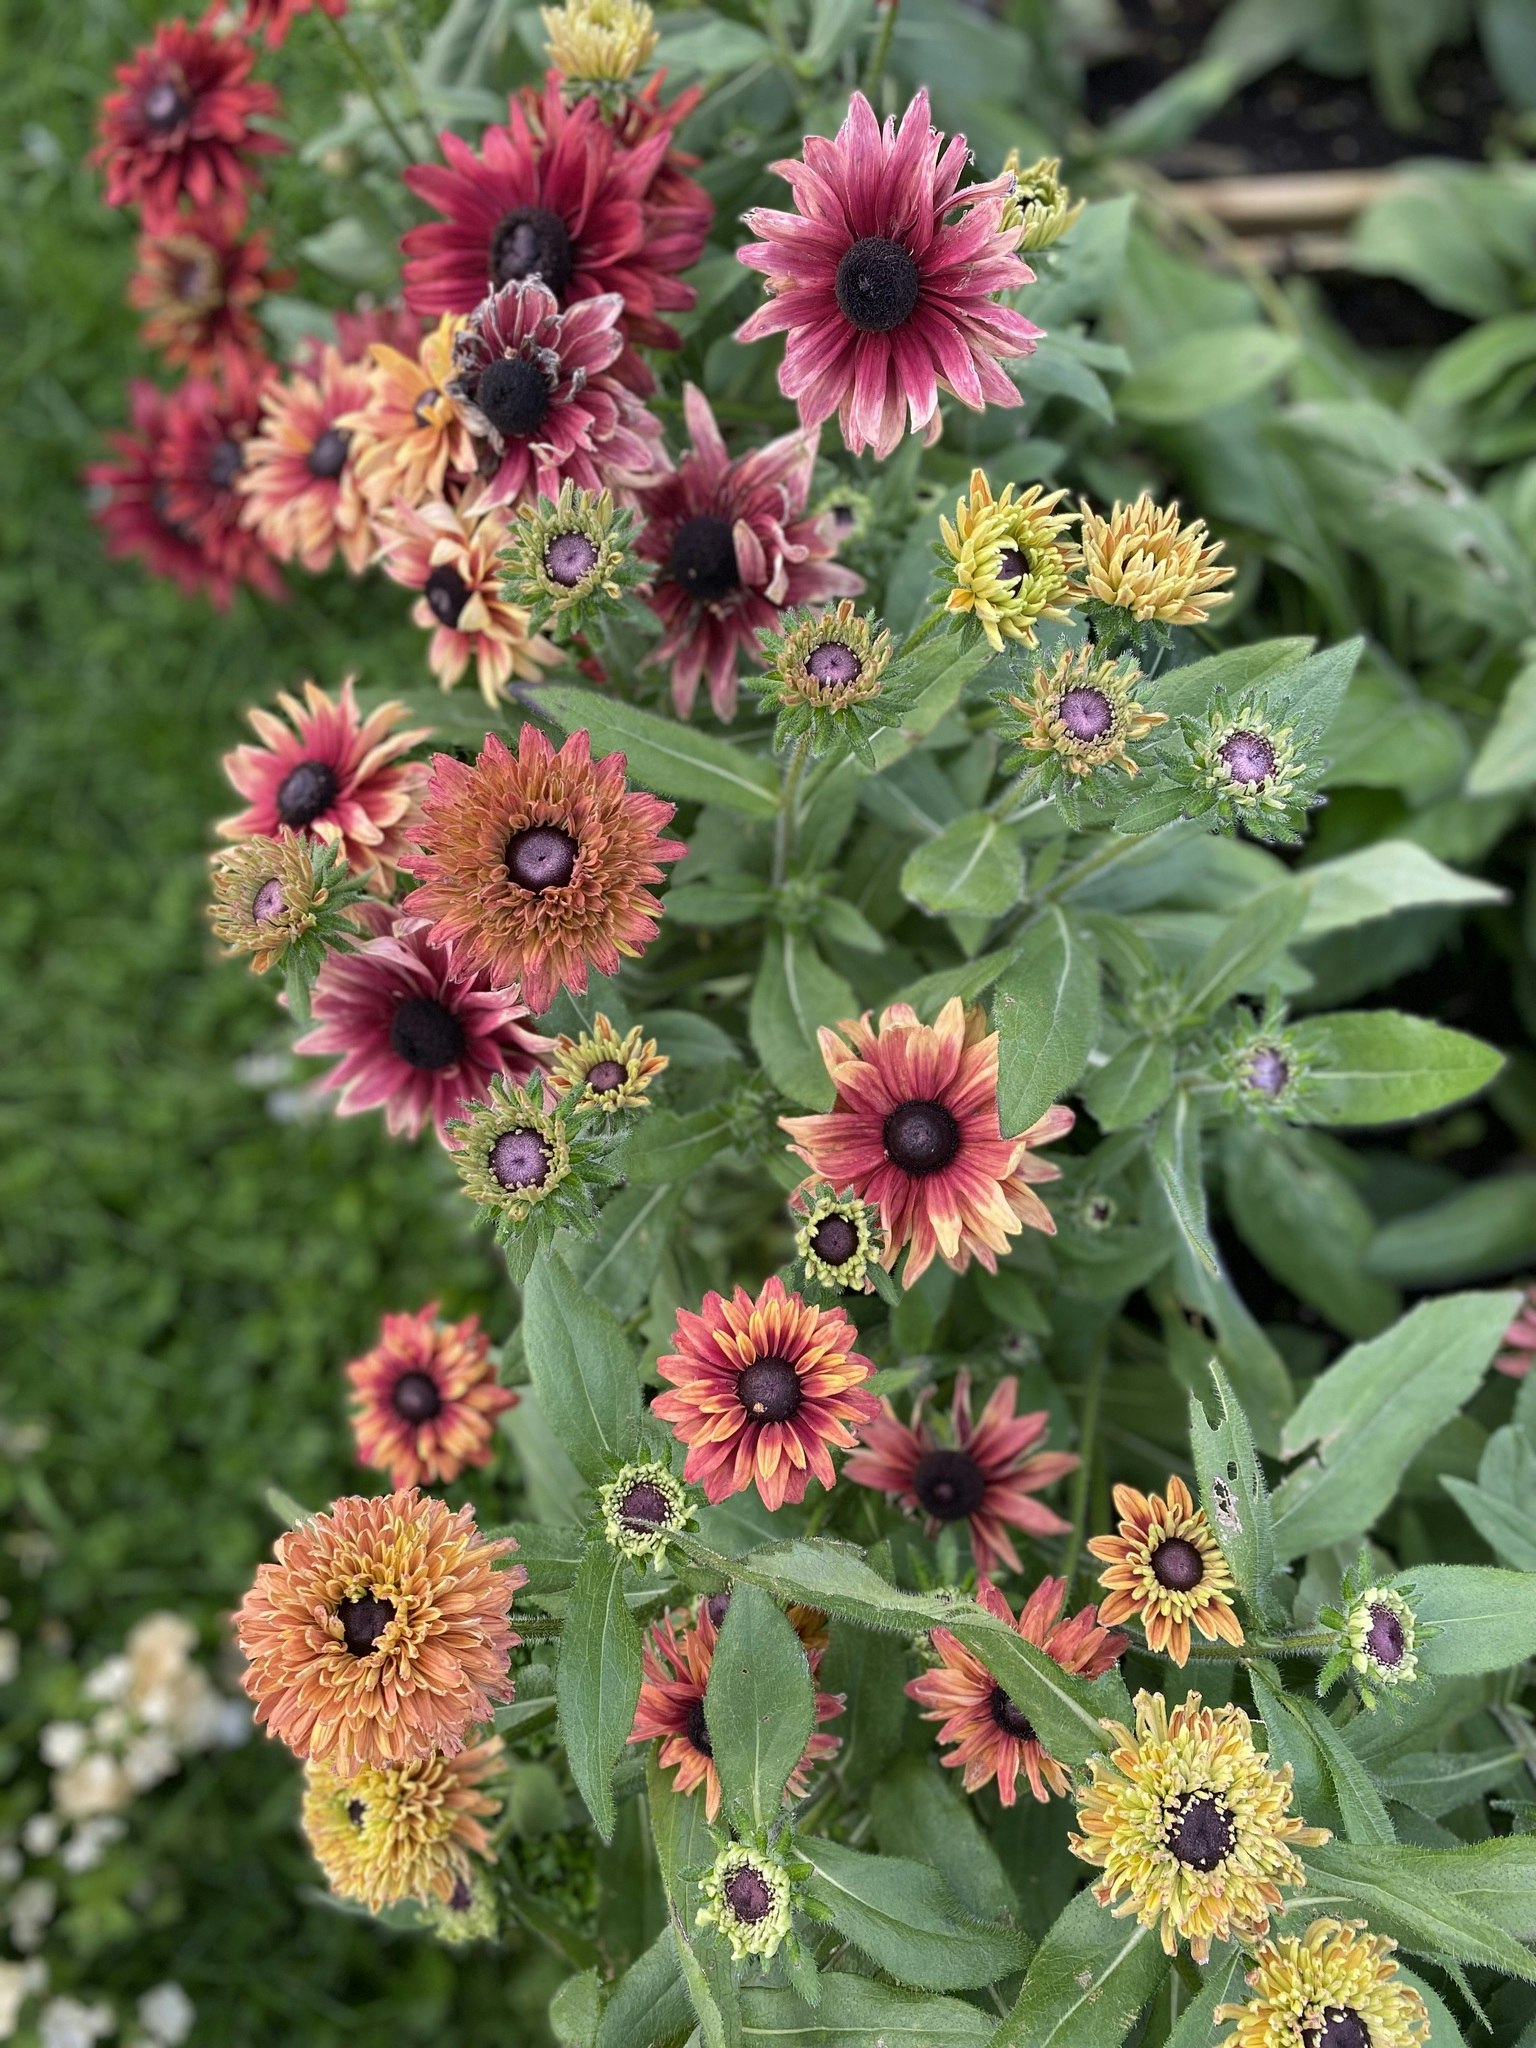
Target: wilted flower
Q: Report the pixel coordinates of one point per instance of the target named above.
(569, 558)
(1248, 766)
(837, 1237)
(642, 1506)
(598, 43)
(1039, 208)
(1377, 1633)
(994, 1737)
(196, 283)
(1080, 716)
(452, 556)
(747, 1898)
(1191, 1826)
(605, 1069)
(299, 482)
(407, 1832)
(285, 901)
(1335, 1986)
(1166, 1570)
(1144, 562)
(407, 436)
(825, 672)
(1006, 562)
(425, 1399)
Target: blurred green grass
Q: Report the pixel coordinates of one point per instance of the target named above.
(182, 1275)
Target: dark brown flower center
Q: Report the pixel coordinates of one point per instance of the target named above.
(1249, 756)
(702, 558)
(533, 242)
(877, 285)
(164, 107)
(1087, 714)
(268, 903)
(363, 1622)
(921, 1137)
(1200, 1832)
(645, 1506)
(1013, 566)
(514, 396)
(305, 792)
(949, 1484)
(1177, 1564)
(225, 463)
(416, 1397)
(606, 1075)
(356, 1812)
(541, 857)
(1011, 1719)
(425, 1033)
(568, 558)
(697, 1729)
(461, 1898)
(1342, 2028)
(834, 1240)
(328, 457)
(446, 593)
(833, 665)
(748, 1894)
(769, 1389)
(716, 1605)
(1384, 1640)
(1268, 1071)
(519, 1159)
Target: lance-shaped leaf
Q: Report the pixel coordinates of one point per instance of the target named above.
(597, 1681)
(1469, 1905)
(759, 1706)
(650, 2002)
(1233, 1488)
(1484, 1617)
(1300, 1734)
(1046, 1011)
(1262, 928)
(582, 1368)
(904, 1917)
(1381, 1067)
(1175, 1157)
(667, 756)
(1064, 1709)
(795, 993)
(974, 865)
(1090, 1978)
(859, 2012)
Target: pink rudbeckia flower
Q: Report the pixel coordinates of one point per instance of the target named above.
(885, 300)
(420, 1035)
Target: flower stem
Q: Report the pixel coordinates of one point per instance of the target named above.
(405, 72)
(1087, 1443)
(786, 824)
(921, 632)
(370, 85)
(881, 51)
(1310, 1643)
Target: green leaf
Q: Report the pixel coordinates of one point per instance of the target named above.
(668, 1147)
(1306, 1222)
(711, 1992)
(794, 995)
(1090, 1978)
(583, 1370)
(1507, 758)
(1379, 1066)
(1204, 372)
(664, 755)
(1221, 1984)
(1486, 1617)
(858, 2012)
(347, 249)
(1487, 1228)
(1262, 928)
(1233, 1489)
(550, 1556)
(919, 1812)
(573, 2011)
(597, 1680)
(1046, 1014)
(1176, 1162)
(650, 2003)
(1132, 1086)
(1290, 1718)
(904, 1917)
(1368, 1414)
(1312, 692)
(1393, 874)
(1185, 692)
(974, 866)
(1457, 1905)
(618, 1266)
(1435, 1784)
(758, 1707)
(968, 981)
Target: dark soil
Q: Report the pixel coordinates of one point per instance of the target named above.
(1387, 313)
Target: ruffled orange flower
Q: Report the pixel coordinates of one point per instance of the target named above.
(408, 437)
(537, 865)
(425, 1398)
(914, 1130)
(456, 562)
(677, 1657)
(408, 1833)
(381, 1634)
(994, 1737)
(301, 487)
(1166, 1569)
(763, 1390)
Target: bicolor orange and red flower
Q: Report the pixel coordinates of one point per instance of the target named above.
(381, 1634)
(914, 1130)
(196, 283)
(993, 1737)
(454, 557)
(677, 1656)
(425, 1399)
(301, 488)
(762, 1392)
(408, 440)
(326, 771)
(981, 1473)
(536, 866)
(180, 125)
(1166, 1570)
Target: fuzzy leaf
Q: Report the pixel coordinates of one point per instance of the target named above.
(859, 2012)
(1485, 1228)
(1291, 1718)
(1379, 1066)
(1374, 881)
(1507, 758)
(597, 1680)
(650, 2003)
(1233, 1488)
(664, 755)
(1298, 1214)
(1176, 1162)
(1468, 1905)
(904, 1917)
(1046, 1013)
(1435, 1784)
(758, 1707)
(1185, 692)
(1131, 1086)
(1486, 1617)
(1252, 938)
(1090, 1978)
(582, 1367)
(1202, 372)
(794, 995)
(973, 867)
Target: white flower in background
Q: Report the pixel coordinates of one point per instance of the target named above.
(18, 1983)
(97, 1784)
(149, 1760)
(166, 2015)
(40, 1836)
(61, 1744)
(91, 1841)
(70, 2023)
(108, 1681)
(12, 1862)
(31, 1908)
(19, 1440)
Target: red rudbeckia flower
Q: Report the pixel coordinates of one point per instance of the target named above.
(993, 1736)
(983, 1475)
(425, 1399)
(179, 125)
(274, 18)
(196, 284)
(884, 299)
(734, 547)
(209, 423)
(914, 1129)
(299, 479)
(678, 211)
(760, 1392)
(331, 774)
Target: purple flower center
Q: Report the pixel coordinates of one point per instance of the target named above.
(921, 1137)
(606, 1076)
(446, 593)
(834, 1240)
(225, 463)
(426, 1034)
(1011, 1719)
(461, 1898)
(363, 1622)
(1200, 1832)
(1385, 1641)
(748, 1895)
(1087, 714)
(645, 1506)
(304, 793)
(416, 1398)
(949, 1484)
(702, 558)
(514, 396)
(568, 558)
(519, 1159)
(1012, 567)
(328, 458)
(1342, 2028)
(715, 1606)
(697, 1729)
(1249, 756)
(533, 242)
(1177, 1564)
(268, 901)
(164, 107)
(1268, 1071)
(833, 665)
(541, 857)
(769, 1389)
(877, 285)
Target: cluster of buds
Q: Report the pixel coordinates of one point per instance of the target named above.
(531, 1168)
(570, 558)
(642, 1507)
(826, 679)
(1376, 1636)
